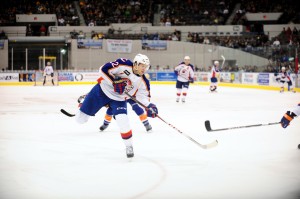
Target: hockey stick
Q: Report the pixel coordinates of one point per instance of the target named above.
(203, 146)
(208, 127)
(223, 61)
(66, 113)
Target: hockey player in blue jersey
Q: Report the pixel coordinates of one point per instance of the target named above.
(116, 78)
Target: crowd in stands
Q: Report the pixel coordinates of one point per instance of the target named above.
(102, 12)
(205, 12)
(289, 13)
(64, 10)
(171, 12)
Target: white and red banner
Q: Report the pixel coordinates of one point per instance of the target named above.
(119, 46)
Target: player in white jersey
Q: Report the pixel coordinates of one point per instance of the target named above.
(115, 78)
(185, 76)
(283, 78)
(215, 72)
(48, 71)
(289, 116)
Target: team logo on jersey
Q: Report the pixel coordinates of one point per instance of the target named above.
(129, 85)
(183, 71)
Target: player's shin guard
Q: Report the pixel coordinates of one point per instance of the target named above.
(126, 133)
(178, 95)
(81, 117)
(183, 97)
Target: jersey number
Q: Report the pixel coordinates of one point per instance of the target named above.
(127, 72)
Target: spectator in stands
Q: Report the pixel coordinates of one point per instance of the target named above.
(119, 31)
(3, 35)
(276, 43)
(94, 35)
(168, 22)
(174, 37)
(288, 32)
(295, 31)
(178, 34)
(206, 41)
(91, 23)
(189, 37)
(156, 36)
(162, 23)
(42, 30)
(75, 20)
(29, 31)
(111, 30)
(145, 36)
(81, 35)
(61, 21)
(74, 34)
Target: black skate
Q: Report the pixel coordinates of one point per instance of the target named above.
(103, 127)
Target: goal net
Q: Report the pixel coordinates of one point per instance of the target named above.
(39, 79)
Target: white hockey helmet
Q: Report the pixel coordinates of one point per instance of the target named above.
(216, 63)
(141, 59)
(187, 57)
(283, 68)
(48, 63)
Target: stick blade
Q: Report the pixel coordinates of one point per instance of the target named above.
(66, 113)
(207, 125)
(210, 145)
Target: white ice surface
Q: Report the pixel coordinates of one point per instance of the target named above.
(47, 155)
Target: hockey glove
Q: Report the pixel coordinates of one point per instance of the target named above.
(119, 85)
(81, 98)
(176, 72)
(287, 118)
(152, 110)
(191, 80)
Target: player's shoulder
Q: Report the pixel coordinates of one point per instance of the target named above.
(181, 65)
(124, 61)
(147, 82)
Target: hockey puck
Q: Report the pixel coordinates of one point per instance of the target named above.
(299, 146)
